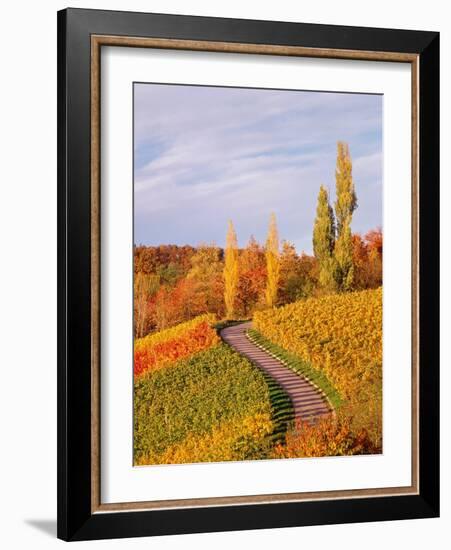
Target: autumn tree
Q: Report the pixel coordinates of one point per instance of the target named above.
(252, 278)
(172, 305)
(252, 256)
(290, 281)
(144, 287)
(230, 270)
(272, 262)
(343, 254)
(207, 274)
(288, 260)
(346, 199)
(374, 239)
(296, 274)
(324, 240)
(205, 262)
(360, 259)
(345, 204)
(308, 271)
(374, 243)
(367, 256)
(164, 310)
(150, 259)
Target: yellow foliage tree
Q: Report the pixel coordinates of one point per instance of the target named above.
(345, 205)
(346, 201)
(230, 270)
(272, 262)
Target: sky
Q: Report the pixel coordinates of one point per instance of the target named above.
(204, 155)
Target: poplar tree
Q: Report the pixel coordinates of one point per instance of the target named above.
(346, 199)
(344, 257)
(230, 270)
(272, 262)
(324, 240)
(345, 204)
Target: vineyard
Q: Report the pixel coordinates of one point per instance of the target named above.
(213, 406)
(163, 348)
(341, 336)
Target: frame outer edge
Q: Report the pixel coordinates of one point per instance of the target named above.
(74, 292)
(429, 278)
(62, 496)
(74, 520)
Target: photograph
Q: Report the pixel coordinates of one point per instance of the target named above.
(257, 273)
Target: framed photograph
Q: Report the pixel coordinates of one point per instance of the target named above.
(248, 274)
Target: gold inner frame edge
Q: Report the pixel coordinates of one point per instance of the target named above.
(97, 41)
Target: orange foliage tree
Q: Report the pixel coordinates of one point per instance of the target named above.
(173, 305)
(252, 278)
(329, 436)
(367, 253)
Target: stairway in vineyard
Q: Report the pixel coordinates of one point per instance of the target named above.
(308, 403)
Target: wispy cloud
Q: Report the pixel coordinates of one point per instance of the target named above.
(204, 155)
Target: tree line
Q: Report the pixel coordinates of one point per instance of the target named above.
(174, 284)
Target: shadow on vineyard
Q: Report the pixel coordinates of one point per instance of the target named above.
(282, 414)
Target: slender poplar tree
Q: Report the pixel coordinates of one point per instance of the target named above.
(345, 205)
(272, 262)
(324, 240)
(230, 270)
(346, 201)
(344, 257)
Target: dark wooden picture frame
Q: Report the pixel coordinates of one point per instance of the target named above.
(81, 35)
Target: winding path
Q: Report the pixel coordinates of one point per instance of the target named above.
(308, 403)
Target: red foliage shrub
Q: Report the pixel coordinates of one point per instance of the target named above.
(160, 351)
(329, 436)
